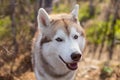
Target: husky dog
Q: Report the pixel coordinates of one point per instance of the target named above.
(57, 46)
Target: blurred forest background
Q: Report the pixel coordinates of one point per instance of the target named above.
(99, 18)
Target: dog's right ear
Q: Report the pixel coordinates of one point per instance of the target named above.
(43, 18)
(75, 13)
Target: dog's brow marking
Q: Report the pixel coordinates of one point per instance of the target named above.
(44, 40)
(80, 30)
(54, 21)
(66, 26)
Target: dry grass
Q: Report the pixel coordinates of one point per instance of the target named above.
(90, 68)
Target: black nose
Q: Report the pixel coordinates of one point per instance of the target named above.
(75, 56)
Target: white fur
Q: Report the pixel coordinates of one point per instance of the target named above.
(75, 11)
(67, 47)
(42, 15)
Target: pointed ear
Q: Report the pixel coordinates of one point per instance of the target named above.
(75, 11)
(43, 18)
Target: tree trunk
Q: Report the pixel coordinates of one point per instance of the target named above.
(91, 10)
(13, 25)
(112, 34)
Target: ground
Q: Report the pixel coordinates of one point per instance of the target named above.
(90, 67)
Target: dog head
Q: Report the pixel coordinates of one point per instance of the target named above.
(62, 36)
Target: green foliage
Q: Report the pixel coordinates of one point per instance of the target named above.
(97, 11)
(106, 72)
(95, 32)
(4, 27)
(84, 12)
(117, 29)
(107, 69)
(61, 8)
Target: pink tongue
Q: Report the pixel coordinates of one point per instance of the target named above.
(73, 64)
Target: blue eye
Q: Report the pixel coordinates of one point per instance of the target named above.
(59, 39)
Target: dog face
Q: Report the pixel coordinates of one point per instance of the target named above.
(62, 37)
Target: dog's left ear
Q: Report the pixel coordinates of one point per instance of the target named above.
(75, 12)
(43, 18)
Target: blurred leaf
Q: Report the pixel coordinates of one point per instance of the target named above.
(107, 70)
(95, 32)
(84, 12)
(4, 27)
(61, 8)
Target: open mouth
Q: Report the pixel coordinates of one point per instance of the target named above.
(71, 66)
